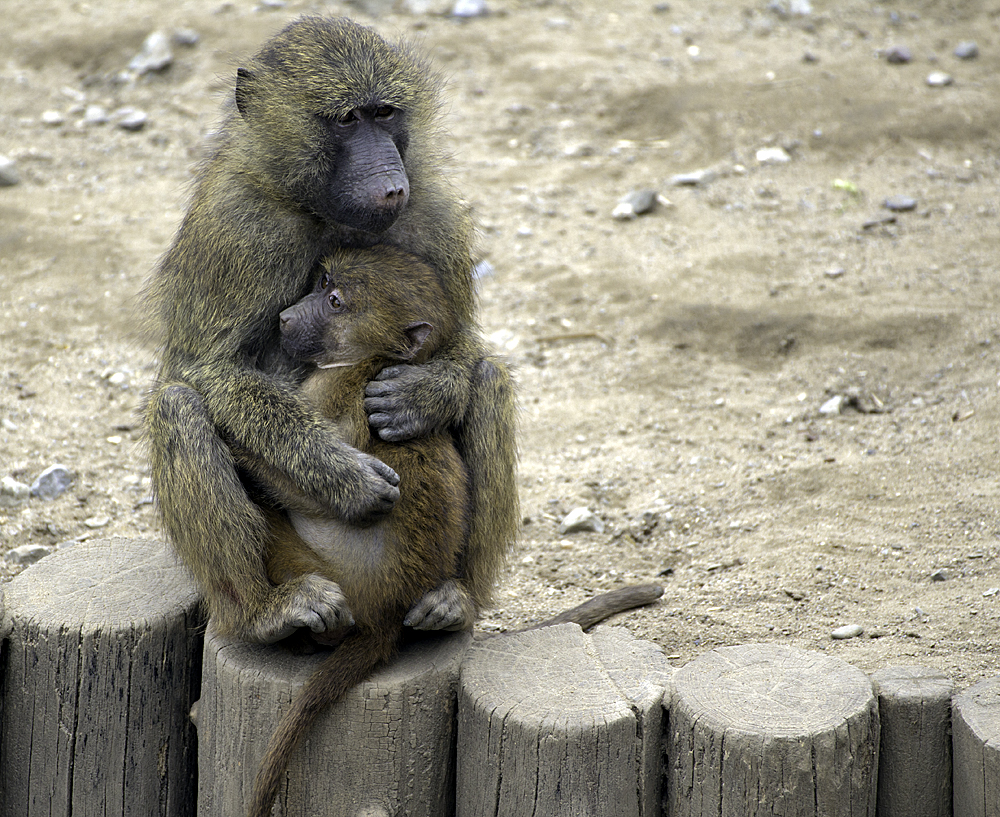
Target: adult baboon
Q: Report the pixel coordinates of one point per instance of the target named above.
(331, 143)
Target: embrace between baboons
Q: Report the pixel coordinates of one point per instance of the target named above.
(331, 144)
(338, 457)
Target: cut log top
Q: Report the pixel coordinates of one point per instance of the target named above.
(102, 583)
(560, 670)
(913, 683)
(783, 693)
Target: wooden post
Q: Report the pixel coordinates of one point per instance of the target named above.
(555, 722)
(386, 749)
(764, 729)
(101, 663)
(976, 746)
(914, 764)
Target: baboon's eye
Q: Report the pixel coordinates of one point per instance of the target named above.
(334, 300)
(324, 282)
(348, 119)
(385, 112)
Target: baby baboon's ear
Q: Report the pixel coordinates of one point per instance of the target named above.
(416, 336)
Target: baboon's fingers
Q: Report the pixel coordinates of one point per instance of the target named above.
(447, 607)
(390, 405)
(311, 603)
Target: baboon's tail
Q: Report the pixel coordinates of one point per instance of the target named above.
(606, 605)
(348, 665)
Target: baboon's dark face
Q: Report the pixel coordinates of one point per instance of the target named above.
(350, 318)
(317, 328)
(369, 187)
(327, 109)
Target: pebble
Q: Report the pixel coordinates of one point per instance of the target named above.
(186, 37)
(832, 406)
(900, 204)
(636, 203)
(8, 172)
(27, 554)
(967, 50)
(938, 79)
(154, 56)
(898, 55)
(847, 631)
(52, 482)
(95, 522)
(579, 520)
(469, 8)
(131, 119)
(52, 118)
(95, 115)
(940, 575)
(13, 492)
(992, 591)
(773, 156)
(834, 272)
(692, 179)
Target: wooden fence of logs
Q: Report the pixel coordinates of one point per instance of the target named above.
(107, 667)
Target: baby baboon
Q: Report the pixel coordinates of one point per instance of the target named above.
(369, 309)
(330, 143)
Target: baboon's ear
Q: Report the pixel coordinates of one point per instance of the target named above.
(244, 90)
(416, 336)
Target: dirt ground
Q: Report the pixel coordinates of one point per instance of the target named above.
(672, 367)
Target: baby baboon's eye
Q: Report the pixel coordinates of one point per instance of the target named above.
(385, 112)
(324, 282)
(334, 300)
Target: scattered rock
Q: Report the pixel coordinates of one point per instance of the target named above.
(52, 482)
(692, 179)
(900, 204)
(834, 272)
(832, 406)
(967, 50)
(938, 79)
(27, 554)
(95, 522)
(773, 156)
(95, 115)
(154, 56)
(186, 37)
(847, 631)
(52, 118)
(940, 575)
(8, 172)
(580, 520)
(790, 8)
(635, 204)
(13, 492)
(469, 8)
(992, 591)
(898, 55)
(131, 119)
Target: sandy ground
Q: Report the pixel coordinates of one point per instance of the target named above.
(672, 367)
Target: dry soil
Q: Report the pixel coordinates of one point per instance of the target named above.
(672, 367)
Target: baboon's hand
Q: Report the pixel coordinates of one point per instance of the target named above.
(377, 492)
(310, 602)
(447, 607)
(390, 404)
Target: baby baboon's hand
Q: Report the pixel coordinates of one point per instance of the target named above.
(309, 602)
(447, 607)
